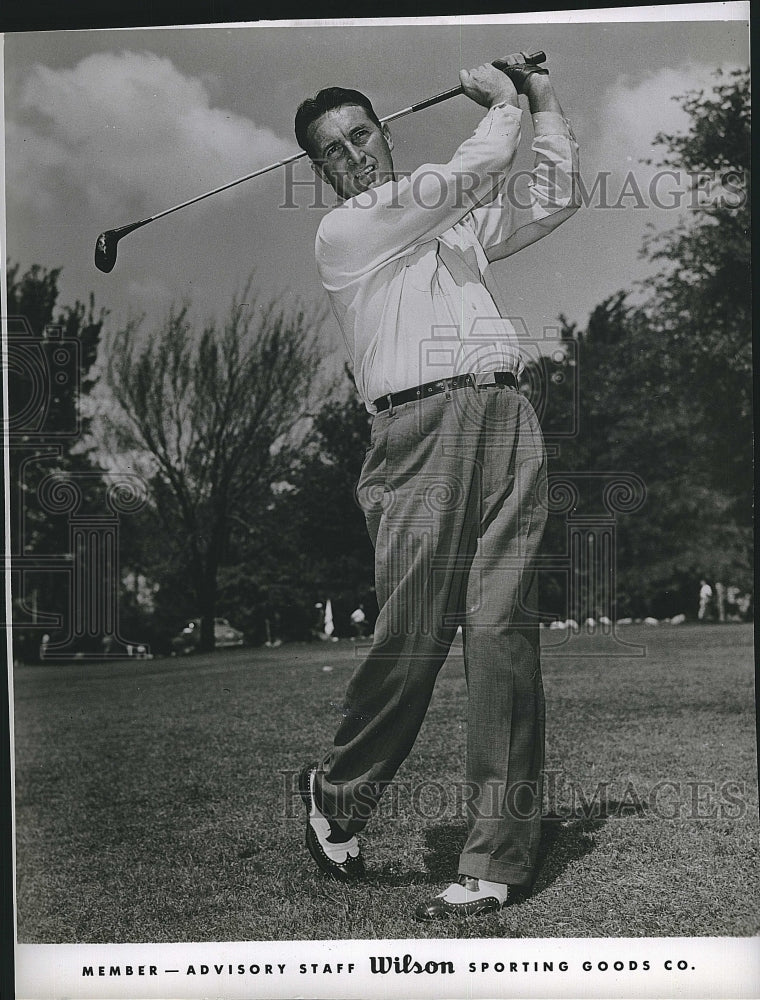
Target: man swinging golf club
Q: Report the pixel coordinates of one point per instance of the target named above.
(451, 486)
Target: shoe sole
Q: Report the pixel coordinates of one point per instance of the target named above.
(444, 910)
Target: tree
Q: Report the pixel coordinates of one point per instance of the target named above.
(699, 301)
(213, 412)
(328, 534)
(311, 543)
(665, 387)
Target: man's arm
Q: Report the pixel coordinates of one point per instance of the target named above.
(384, 222)
(540, 93)
(519, 217)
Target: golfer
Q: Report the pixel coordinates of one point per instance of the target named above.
(452, 484)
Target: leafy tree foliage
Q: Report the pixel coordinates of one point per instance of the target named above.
(699, 302)
(331, 532)
(213, 412)
(665, 387)
(311, 544)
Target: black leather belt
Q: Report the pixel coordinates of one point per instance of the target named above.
(444, 385)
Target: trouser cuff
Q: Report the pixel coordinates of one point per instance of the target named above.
(481, 866)
(333, 806)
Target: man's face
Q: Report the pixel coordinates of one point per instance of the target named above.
(349, 151)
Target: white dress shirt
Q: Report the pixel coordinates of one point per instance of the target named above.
(403, 262)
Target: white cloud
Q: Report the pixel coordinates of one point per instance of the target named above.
(128, 133)
(634, 111)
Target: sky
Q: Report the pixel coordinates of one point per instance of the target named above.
(106, 127)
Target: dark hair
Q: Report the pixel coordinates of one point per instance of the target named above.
(327, 99)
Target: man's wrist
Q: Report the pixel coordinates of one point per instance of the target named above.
(536, 84)
(540, 94)
(505, 100)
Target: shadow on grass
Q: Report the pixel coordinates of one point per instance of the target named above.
(564, 840)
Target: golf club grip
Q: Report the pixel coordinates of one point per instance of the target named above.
(534, 57)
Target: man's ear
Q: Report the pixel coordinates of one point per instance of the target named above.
(388, 136)
(317, 168)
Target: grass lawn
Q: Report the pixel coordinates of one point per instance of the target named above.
(156, 799)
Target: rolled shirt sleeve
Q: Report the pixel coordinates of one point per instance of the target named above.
(522, 214)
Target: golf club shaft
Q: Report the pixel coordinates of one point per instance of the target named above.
(107, 242)
(536, 57)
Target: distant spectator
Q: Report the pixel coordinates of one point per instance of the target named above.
(732, 603)
(744, 604)
(705, 600)
(738, 605)
(359, 622)
(318, 621)
(272, 626)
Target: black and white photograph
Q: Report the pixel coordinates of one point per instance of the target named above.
(378, 447)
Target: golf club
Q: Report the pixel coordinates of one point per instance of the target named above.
(107, 242)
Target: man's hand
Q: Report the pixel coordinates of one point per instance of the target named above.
(519, 71)
(488, 86)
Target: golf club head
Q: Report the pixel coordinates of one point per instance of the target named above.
(105, 251)
(105, 246)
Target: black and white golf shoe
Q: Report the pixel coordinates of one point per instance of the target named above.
(335, 852)
(467, 897)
